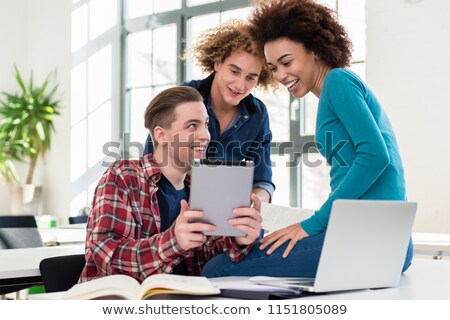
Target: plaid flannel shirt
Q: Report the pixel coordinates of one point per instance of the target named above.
(123, 231)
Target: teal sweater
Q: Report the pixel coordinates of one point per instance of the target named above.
(355, 136)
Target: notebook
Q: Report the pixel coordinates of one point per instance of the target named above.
(365, 247)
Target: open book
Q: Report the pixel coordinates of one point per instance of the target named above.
(128, 288)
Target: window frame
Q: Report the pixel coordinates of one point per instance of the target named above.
(298, 143)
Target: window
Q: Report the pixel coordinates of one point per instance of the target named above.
(94, 107)
(155, 33)
(154, 41)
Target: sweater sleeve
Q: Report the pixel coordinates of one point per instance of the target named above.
(345, 94)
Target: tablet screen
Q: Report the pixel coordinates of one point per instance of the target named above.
(217, 187)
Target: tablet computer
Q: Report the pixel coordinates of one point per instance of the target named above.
(217, 187)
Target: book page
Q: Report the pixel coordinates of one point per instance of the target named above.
(178, 284)
(121, 286)
(276, 217)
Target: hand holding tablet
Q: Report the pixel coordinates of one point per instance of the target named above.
(219, 187)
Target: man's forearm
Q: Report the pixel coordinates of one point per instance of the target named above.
(262, 194)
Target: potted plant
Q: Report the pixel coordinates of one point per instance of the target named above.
(26, 126)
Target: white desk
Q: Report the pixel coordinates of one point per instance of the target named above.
(73, 226)
(426, 279)
(435, 244)
(63, 235)
(21, 266)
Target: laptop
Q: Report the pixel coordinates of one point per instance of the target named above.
(365, 247)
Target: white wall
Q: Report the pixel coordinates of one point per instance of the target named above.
(11, 51)
(49, 38)
(408, 68)
(36, 35)
(12, 36)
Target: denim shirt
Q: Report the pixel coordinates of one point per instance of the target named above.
(248, 138)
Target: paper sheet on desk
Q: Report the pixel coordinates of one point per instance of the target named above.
(276, 217)
(242, 288)
(286, 282)
(243, 284)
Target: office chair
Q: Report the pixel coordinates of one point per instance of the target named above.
(61, 273)
(18, 232)
(78, 219)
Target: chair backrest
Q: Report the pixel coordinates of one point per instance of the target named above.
(18, 222)
(78, 219)
(61, 273)
(19, 232)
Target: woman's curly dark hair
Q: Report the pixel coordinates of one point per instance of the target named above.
(217, 44)
(303, 21)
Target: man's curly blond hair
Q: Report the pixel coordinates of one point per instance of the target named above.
(217, 44)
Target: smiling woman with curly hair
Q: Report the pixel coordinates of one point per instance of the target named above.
(239, 122)
(307, 50)
(314, 26)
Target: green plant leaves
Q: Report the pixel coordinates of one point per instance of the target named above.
(26, 123)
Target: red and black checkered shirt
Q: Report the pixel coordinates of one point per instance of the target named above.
(123, 232)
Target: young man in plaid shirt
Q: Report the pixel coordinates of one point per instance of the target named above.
(140, 220)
